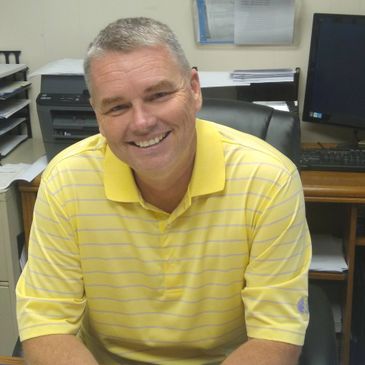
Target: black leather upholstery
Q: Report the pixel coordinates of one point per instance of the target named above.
(280, 129)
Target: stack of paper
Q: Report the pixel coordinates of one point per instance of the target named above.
(21, 171)
(327, 254)
(8, 89)
(264, 75)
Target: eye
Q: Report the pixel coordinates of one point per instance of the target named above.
(160, 95)
(117, 109)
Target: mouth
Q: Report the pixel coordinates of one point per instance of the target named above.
(150, 142)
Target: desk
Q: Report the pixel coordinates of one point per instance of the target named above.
(344, 188)
(11, 360)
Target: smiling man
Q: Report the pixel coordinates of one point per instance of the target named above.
(164, 239)
(145, 104)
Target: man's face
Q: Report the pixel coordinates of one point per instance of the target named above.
(146, 109)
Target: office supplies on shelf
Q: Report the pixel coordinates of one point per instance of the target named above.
(327, 253)
(334, 159)
(264, 75)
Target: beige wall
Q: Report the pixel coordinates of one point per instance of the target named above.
(46, 30)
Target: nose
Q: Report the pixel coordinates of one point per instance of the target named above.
(143, 119)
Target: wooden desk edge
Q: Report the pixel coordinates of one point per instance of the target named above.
(11, 360)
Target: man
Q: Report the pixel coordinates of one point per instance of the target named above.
(165, 239)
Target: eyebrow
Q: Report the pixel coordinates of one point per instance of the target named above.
(112, 100)
(160, 85)
(117, 99)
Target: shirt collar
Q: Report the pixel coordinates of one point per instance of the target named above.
(119, 180)
(208, 173)
(209, 167)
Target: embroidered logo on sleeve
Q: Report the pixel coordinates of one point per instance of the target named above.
(303, 305)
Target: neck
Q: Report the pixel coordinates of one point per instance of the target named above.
(165, 193)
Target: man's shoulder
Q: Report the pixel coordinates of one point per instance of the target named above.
(249, 149)
(87, 152)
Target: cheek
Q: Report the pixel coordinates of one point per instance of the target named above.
(110, 128)
(181, 110)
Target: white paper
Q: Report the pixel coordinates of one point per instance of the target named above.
(218, 79)
(264, 21)
(278, 105)
(264, 75)
(21, 171)
(220, 17)
(327, 254)
(9, 88)
(65, 66)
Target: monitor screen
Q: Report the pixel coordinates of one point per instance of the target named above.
(335, 88)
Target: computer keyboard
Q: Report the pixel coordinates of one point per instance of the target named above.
(333, 159)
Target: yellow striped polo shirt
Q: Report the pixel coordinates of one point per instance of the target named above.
(139, 285)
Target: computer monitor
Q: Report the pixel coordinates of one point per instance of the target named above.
(335, 88)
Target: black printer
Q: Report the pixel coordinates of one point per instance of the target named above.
(65, 114)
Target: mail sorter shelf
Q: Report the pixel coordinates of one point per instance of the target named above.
(8, 89)
(14, 107)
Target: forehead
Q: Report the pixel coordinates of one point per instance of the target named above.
(137, 65)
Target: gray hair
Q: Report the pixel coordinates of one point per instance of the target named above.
(128, 34)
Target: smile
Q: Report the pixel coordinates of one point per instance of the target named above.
(151, 142)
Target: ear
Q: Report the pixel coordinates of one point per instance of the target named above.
(196, 90)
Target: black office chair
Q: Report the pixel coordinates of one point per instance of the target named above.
(282, 130)
(320, 340)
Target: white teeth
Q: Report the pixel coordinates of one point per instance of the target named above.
(150, 142)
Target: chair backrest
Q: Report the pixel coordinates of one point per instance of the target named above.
(280, 129)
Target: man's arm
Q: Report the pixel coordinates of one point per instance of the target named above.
(264, 352)
(57, 350)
